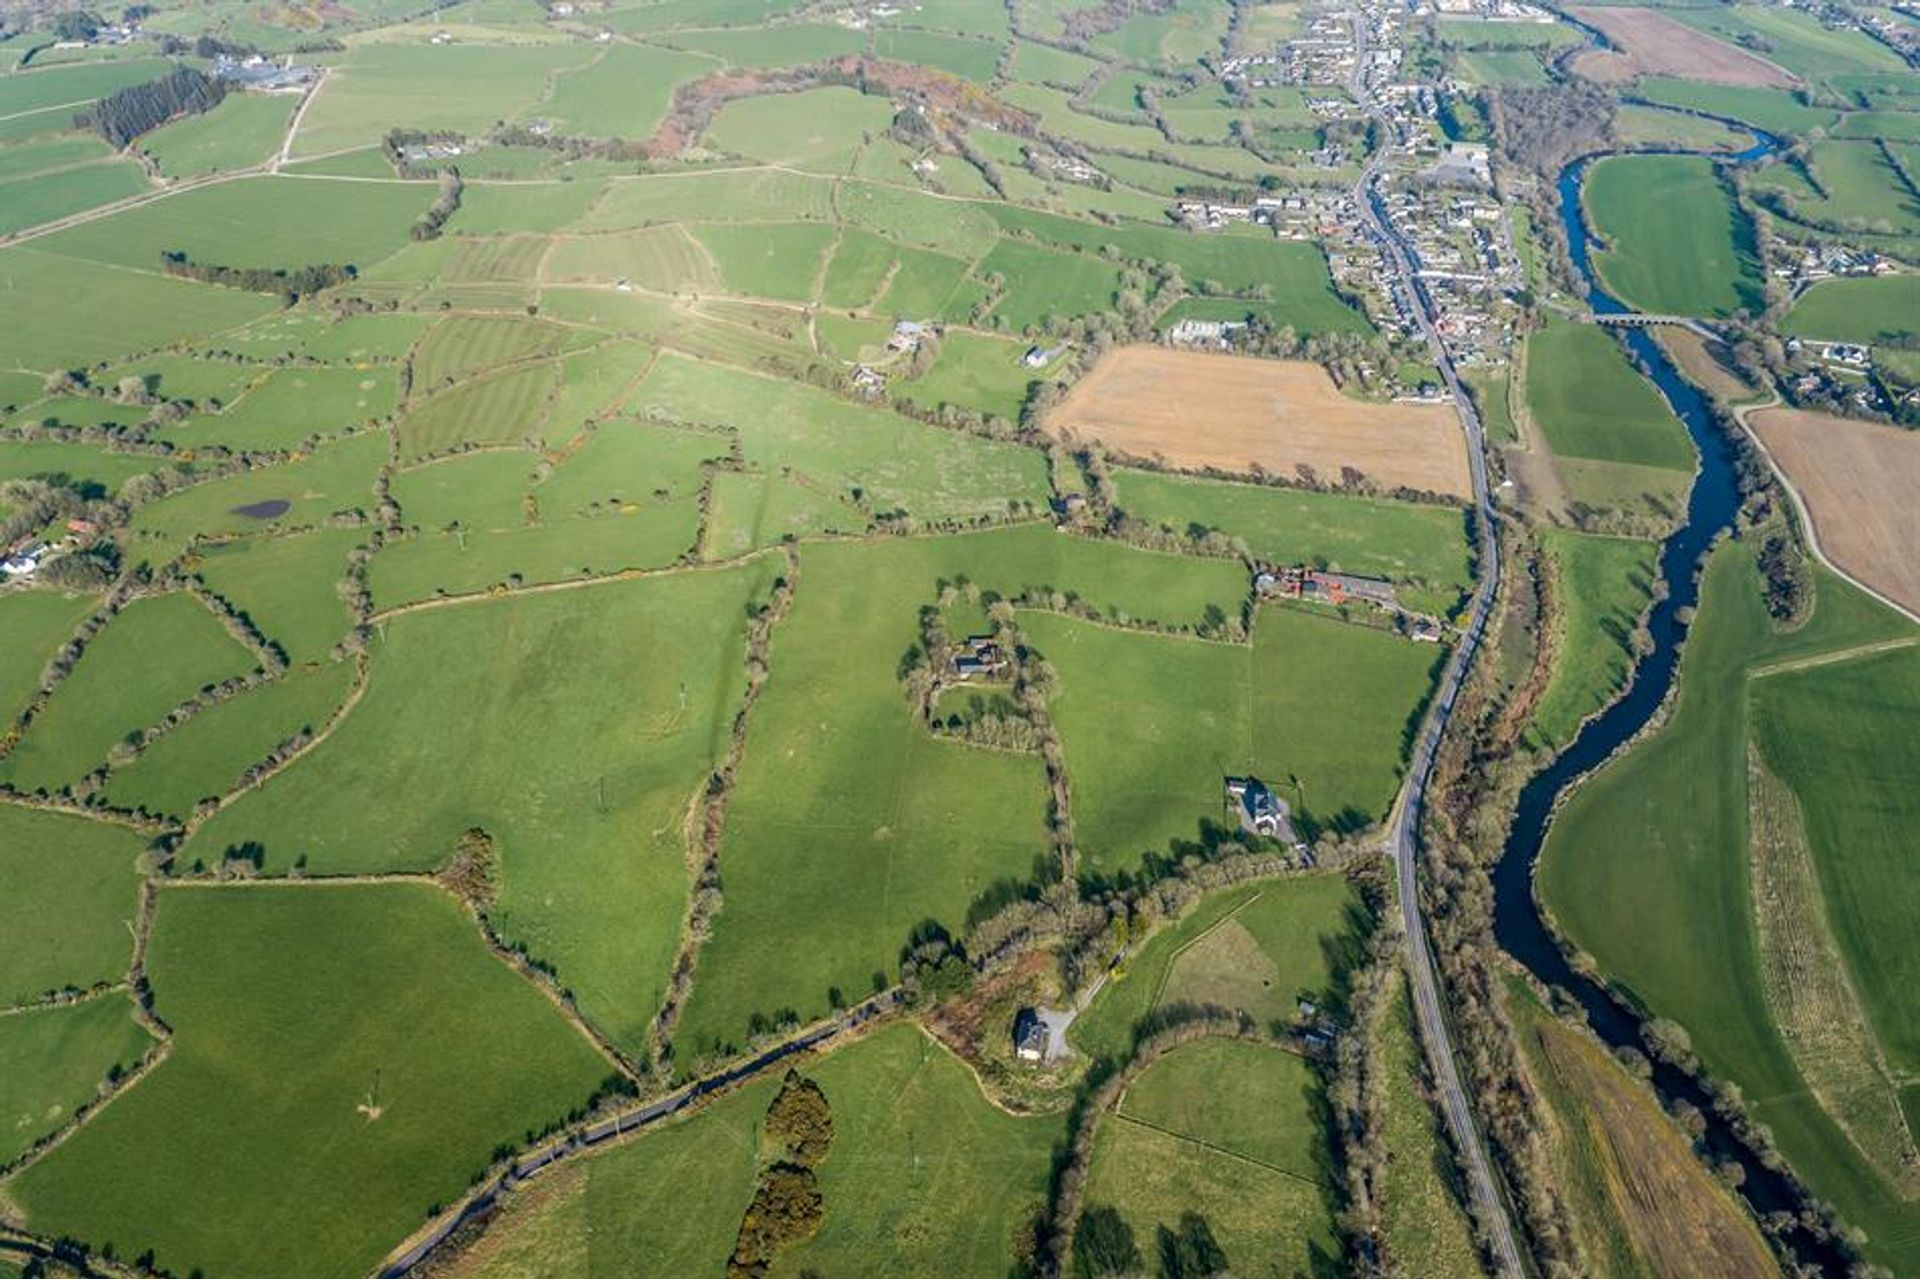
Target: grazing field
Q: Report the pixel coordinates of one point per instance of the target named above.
(1675, 242)
(463, 344)
(33, 626)
(751, 511)
(773, 260)
(460, 562)
(1217, 1163)
(1641, 1201)
(1644, 126)
(1414, 543)
(1591, 403)
(1857, 481)
(1601, 586)
(1775, 110)
(291, 406)
(206, 757)
(1647, 869)
(1870, 310)
(923, 1176)
(53, 1061)
(156, 653)
(979, 373)
(592, 876)
(1853, 186)
(71, 888)
(1799, 42)
(622, 93)
(245, 129)
(1706, 363)
(288, 587)
(506, 407)
(336, 479)
(817, 130)
(1657, 45)
(665, 259)
(1425, 1225)
(416, 1051)
(33, 199)
(1201, 411)
(1150, 725)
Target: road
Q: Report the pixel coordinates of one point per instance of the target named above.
(1489, 1205)
(580, 1140)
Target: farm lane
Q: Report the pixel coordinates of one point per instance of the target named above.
(1489, 1204)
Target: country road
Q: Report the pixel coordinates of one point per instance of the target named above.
(1489, 1205)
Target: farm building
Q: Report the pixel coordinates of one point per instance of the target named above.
(1302, 583)
(979, 658)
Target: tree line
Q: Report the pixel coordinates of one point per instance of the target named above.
(291, 284)
(124, 115)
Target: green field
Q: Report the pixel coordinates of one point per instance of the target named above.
(817, 130)
(71, 890)
(415, 1020)
(245, 129)
(1425, 546)
(156, 653)
(1675, 242)
(1857, 190)
(33, 626)
(288, 587)
(1427, 1229)
(1774, 110)
(973, 372)
(1591, 403)
(1231, 1131)
(1797, 41)
(1869, 310)
(53, 1060)
(1600, 588)
(1646, 869)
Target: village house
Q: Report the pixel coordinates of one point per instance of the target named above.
(1302, 583)
(907, 336)
(1029, 1036)
(979, 657)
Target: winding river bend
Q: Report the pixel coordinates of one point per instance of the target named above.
(1519, 925)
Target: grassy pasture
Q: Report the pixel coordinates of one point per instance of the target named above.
(1043, 285)
(962, 228)
(1188, 31)
(205, 758)
(368, 337)
(860, 264)
(331, 479)
(1647, 869)
(1505, 68)
(964, 56)
(85, 311)
(1858, 189)
(1266, 1217)
(771, 260)
(1676, 244)
(187, 377)
(1870, 310)
(762, 195)
(1601, 585)
(980, 373)
(1591, 403)
(1043, 64)
(929, 285)
(665, 259)
(73, 86)
(245, 129)
(1644, 126)
(622, 93)
(624, 462)
(1423, 1217)
(71, 888)
(1408, 542)
(505, 407)
(494, 259)
(32, 200)
(816, 130)
(461, 87)
(1290, 941)
(254, 222)
(1841, 737)
(895, 462)
(156, 653)
(287, 587)
(653, 536)
(462, 344)
(33, 626)
(592, 866)
(290, 406)
(484, 490)
(751, 511)
(53, 1061)
(1796, 41)
(780, 46)
(836, 849)
(593, 382)
(1775, 110)
(415, 1018)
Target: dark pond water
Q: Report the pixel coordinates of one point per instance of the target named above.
(271, 509)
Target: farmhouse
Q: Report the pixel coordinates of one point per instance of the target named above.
(1261, 812)
(1029, 1036)
(1218, 334)
(979, 658)
(1301, 583)
(264, 76)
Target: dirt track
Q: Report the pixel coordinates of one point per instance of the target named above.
(1196, 411)
(1858, 480)
(1657, 45)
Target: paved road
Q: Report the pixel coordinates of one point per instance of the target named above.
(580, 1140)
(1489, 1205)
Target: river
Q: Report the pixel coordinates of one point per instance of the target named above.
(1519, 925)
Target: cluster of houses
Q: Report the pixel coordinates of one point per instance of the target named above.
(1206, 335)
(1486, 10)
(1063, 168)
(104, 36)
(1464, 260)
(1825, 261)
(24, 558)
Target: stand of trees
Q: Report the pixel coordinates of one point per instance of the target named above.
(123, 116)
(291, 284)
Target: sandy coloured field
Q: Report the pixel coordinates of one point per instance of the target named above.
(1858, 480)
(1703, 364)
(1194, 411)
(1658, 45)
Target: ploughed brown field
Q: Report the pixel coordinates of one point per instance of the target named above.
(1858, 480)
(1657, 45)
(1196, 411)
